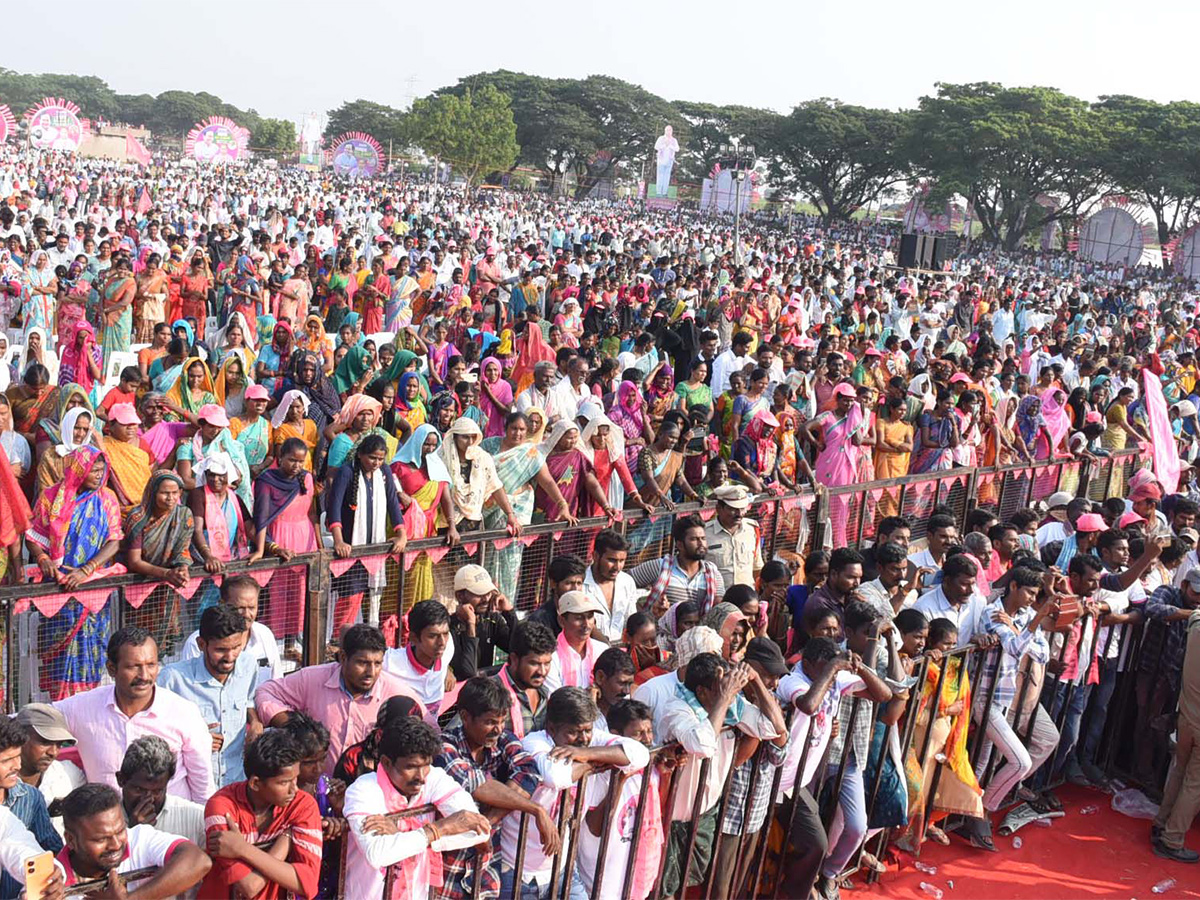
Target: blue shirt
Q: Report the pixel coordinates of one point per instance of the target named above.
(223, 704)
(27, 804)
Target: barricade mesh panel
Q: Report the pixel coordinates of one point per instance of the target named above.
(1014, 493)
(62, 643)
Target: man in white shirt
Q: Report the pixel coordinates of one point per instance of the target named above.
(657, 691)
(424, 661)
(958, 600)
(564, 752)
(710, 699)
(607, 582)
(405, 779)
(1058, 507)
(540, 393)
(576, 651)
(732, 360)
(571, 391)
(240, 593)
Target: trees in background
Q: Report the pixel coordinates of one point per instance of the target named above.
(1024, 157)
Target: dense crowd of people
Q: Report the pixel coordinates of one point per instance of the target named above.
(203, 366)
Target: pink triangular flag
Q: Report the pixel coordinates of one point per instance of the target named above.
(136, 594)
(501, 543)
(470, 549)
(790, 503)
(340, 567)
(262, 576)
(50, 605)
(705, 514)
(22, 606)
(807, 501)
(530, 539)
(408, 560)
(373, 563)
(190, 588)
(93, 601)
(435, 554)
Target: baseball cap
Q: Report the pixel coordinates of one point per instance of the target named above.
(1129, 518)
(1090, 522)
(844, 390)
(1190, 534)
(1058, 499)
(733, 495)
(475, 579)
(1193, 579)
(124, 414)
(766, 653)
(579, 602)
(213, 415)
(49, 723)
(257, 392)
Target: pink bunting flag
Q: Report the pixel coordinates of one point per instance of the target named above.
(374, 563)
(136, 594)
(435, 554)
(22, 606)
(530, 539)
(790, 503)
(705, 514)
(470, 549)
(262, 576)
(501, 543)
(807, 501)
(340, 567)
(50, 605)
(408, 560)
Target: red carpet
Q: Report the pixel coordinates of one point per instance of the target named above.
(1105, 855)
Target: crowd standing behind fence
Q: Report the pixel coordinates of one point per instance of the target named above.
(442, 543)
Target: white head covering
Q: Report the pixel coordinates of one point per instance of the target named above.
(49, 356)
(561, 427)
(235, 319)
(219, 463)
(449, 449)
(66, 433)
(285, 406)
(614, 440)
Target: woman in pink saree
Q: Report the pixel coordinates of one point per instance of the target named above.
(837, 436)
(1058, 425)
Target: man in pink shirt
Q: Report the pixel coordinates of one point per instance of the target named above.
(107, 719)
(344, 696)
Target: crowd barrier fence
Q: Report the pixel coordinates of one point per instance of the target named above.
(791, 526)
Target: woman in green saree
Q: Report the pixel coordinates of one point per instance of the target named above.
(520, 465)
(158, 539)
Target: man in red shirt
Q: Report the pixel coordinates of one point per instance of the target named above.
(267, 807)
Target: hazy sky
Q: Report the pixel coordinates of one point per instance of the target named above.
(285, 58)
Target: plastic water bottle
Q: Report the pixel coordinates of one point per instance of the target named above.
(932, 890)
(1161, 888)
(1089, 810)
(925, 867)
(1017, 843)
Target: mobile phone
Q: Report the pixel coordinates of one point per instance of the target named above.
(38, 870)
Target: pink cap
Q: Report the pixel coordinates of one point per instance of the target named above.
(1129, 518)
(124, 414)
(959, 376)
(257, 392)
(213, 415)
(1094, 416)
(871, 351)
(1090, 522)
(844, 390)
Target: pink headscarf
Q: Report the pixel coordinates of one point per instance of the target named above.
(1054, 411)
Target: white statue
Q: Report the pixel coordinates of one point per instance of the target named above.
(665, 149)
(310, 135)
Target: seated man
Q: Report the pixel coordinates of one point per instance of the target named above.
(424, 663)
(240, 593)
(23, 801)
(567, 750)
(267, 806)
(147, 769)
(488, 760)
(46, 733)
(482, 622)
(405, 778)
(99, 846)
(576, 652)
(344, 696)
(111, 716)
(221, 682)
(523, 676)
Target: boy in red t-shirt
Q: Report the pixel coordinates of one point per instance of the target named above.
(125, 392)
(268, 806)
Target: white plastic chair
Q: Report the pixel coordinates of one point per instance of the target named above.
(210, 325)
(381, 337)
(118, 360)
(13, 351)
(135, 349)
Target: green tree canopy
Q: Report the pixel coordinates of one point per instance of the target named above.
(475, 133)
(384, 123)
(837, 156)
